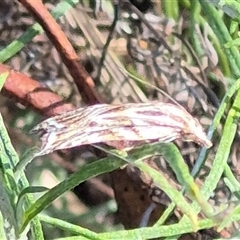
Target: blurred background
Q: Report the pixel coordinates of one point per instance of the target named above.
(168, 44)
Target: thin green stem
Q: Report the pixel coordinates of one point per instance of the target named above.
(223, 35)
(224, 148)
(171, 9)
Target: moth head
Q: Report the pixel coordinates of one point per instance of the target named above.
(197, 134)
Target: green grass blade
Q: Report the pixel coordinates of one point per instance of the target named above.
(3, 77)
(7, 210)
(178, 165)
(224, 148)
(68, 227)
(229, 218)
(172, 193)
(221, 31)
(156, 232)
(216, 121)
(34, 30)
(9, 159)
(88, 171)
(170, 152)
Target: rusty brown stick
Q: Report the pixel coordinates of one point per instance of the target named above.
(84, 82)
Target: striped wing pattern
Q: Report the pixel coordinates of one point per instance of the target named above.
(131, 122)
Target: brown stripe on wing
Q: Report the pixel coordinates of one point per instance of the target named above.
(128, 122)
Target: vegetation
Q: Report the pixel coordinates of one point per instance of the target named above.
(119, 52)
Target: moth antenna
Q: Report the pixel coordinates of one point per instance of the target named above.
(150, 85)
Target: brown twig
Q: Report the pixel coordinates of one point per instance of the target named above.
(31, 93)
(84, 82)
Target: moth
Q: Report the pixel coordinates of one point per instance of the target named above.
(131, 122)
